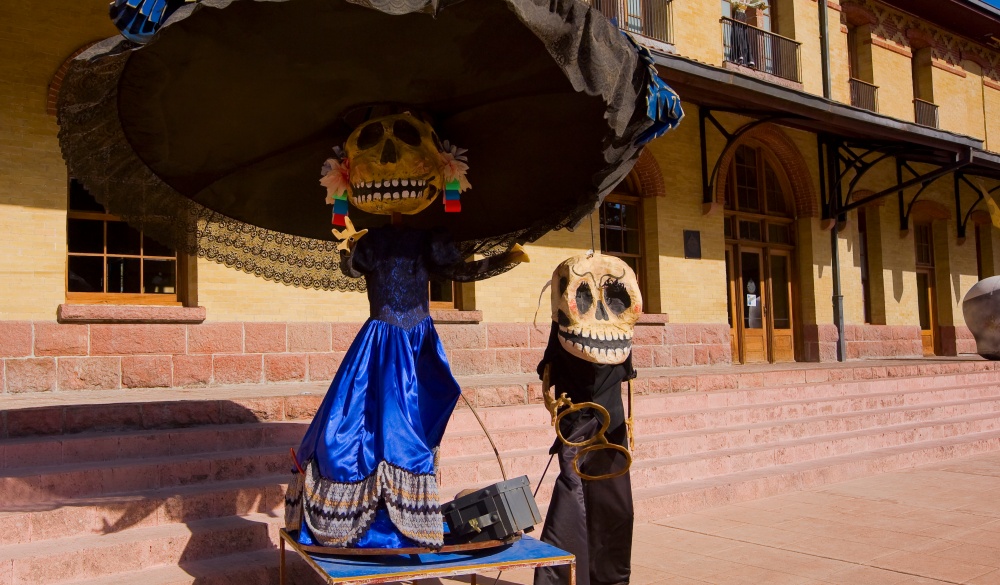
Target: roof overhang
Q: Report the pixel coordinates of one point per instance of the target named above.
(973, 19)
(716, 88)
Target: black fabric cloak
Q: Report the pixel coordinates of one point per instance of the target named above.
(591, 519)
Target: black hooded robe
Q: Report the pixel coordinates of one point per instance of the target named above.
(591, 519)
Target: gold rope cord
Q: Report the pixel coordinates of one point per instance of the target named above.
(503, 472)
(563, 405)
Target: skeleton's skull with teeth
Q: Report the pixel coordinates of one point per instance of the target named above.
(395, 164)
(596, 303)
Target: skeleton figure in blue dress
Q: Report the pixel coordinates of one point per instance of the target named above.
(367, 464)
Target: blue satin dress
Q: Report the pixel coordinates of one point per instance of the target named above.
(369, 454)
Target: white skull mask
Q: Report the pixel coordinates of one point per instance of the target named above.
(596, 303)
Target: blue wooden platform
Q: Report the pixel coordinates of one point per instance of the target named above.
(525, 553)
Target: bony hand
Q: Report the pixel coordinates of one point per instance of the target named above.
(348, 236)
(517, 255)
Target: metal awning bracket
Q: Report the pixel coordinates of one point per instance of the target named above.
(707, 115)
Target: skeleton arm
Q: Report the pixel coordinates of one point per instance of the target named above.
(485, 268)
(348, 240)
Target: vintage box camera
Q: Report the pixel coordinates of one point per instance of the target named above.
(496, 512)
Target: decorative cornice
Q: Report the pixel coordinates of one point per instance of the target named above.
(878, 42)
(898, 30)
(946, 67)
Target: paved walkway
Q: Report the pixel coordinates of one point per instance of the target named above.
(925, 526)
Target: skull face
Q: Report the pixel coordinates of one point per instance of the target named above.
(596, 302)
(395, 165)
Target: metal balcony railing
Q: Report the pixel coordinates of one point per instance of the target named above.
(925, 113)
(864, 95)
(649, 18)
(761, 50)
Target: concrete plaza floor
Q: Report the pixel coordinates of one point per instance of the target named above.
(934, 524)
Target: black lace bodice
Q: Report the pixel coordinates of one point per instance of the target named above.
(397, 262)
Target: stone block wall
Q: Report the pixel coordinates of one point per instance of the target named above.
(882, 341)
(45, 356)
(957, 339)
(863, 342)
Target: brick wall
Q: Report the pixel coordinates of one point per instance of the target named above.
(32, 174)
(43, 356)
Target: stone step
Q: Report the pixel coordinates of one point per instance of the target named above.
(253, 568)
(483, 468)
(70, 481)
(793, 407)
(95, 478)
(735, 446)
(129, 445)
(702, 400)
(128, 412)
(44, 520)
(58, 413)
(771, 376)
(107, 446)
(682, 435)
(691, 466)
(779, 420)
(96, 556)
(691, 496)
(936, 388)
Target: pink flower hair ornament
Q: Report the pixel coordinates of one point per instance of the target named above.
(336, 176)
(455, 166)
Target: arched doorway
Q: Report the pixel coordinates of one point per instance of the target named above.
(760, 256)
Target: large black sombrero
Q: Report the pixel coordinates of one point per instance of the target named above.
(210, 136)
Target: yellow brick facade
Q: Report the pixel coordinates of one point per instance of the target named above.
(33, 184)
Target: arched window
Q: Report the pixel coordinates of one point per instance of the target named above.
(757, 207)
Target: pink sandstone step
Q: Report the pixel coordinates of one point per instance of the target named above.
(45, 520)
(918, 399)
(690, 496)
(663, 419)
(76, 479)
(125, 416)
(253, 568)
(666, 470)
(651, 444)
(647, 447)
(68, 412)
(93, 556)
(69, 481)
(645, 472)
(18, 453)
(744, 397)
(914, 391)
(854, 412)
(103, 446)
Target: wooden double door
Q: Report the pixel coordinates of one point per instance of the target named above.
(927, 311)
(760, 304)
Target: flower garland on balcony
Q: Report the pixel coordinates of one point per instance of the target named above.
(744, 4)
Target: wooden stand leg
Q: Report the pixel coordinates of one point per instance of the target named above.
(472, 579)
(572, 573)
(281, 563)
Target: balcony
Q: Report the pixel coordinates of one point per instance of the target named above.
(761, 50)
(925, 113)
(647, 18)
(864, 95)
